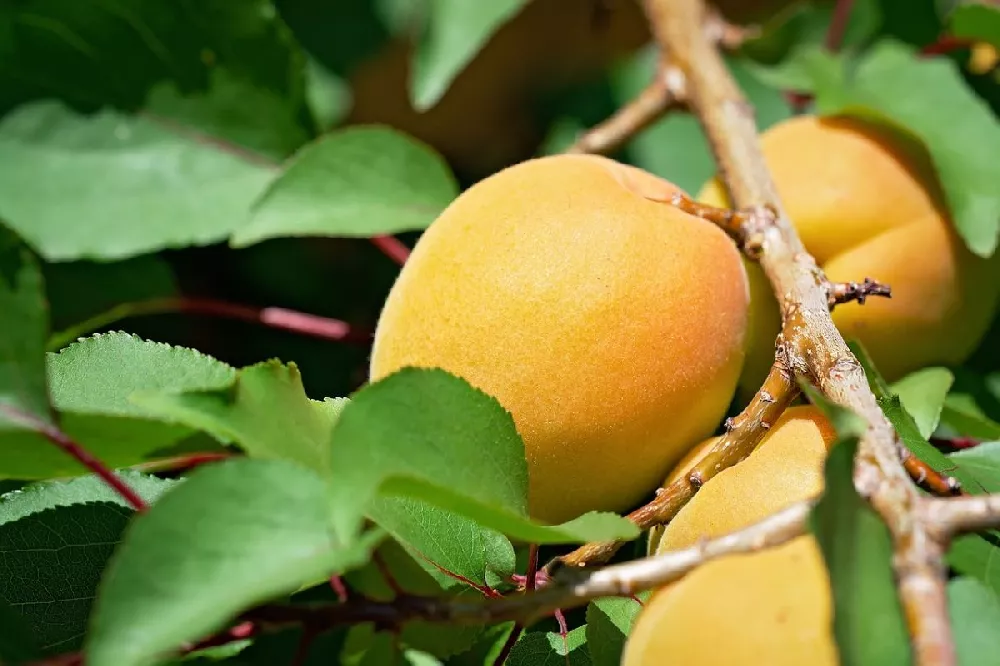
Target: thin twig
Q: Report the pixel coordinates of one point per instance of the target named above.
(844, 292)
(970, 513)
(742, 435)
(838, 25)
(663, 93)
(315, 326)
(571, 589)
(80, 454)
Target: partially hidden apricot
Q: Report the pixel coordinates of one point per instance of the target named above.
(866, 203)
(608, 322)
(770, 607)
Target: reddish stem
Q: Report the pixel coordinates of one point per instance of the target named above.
(337, 583)
(529, 583)
(84, 457)
(945, 44)
(392, 247)
(955, 443)
(271, 317)
(387, 576)
(838, 25)
(508, 645)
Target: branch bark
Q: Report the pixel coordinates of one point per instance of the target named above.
(814, 346)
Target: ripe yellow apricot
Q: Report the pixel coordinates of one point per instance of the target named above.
(609, 323)
(866, 203)
(771, 607)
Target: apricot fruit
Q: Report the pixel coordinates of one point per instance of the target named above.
(770, 607)
(866, 202)
(609, 323)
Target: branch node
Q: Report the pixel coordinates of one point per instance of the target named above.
(844, 292)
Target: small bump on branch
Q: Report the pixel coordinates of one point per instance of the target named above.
(844, 292)
(745, 226)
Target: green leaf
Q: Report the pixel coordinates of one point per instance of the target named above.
(113, 51)
(80, 290)
(675, 148)
(46, 495)
(132, 185)
(235, 111)
(807, 68)
(905, 425)
(962, 414)
(23, 391)
(233, 535)
(924, 96)
(55, 539)
(857, 547)
(486, 648)
(265, 411)
(50, 565)
(17, 644)
(550, 649)
(983, 462)
(846, 423)
(803, 25)
(92, 382)
(451, 541)
(360, 181)
(972, 555)
(429, 435)
(327, 95)
(974, 610)
(976, 21)
(922, 394)
(609, 622)
(454, 33)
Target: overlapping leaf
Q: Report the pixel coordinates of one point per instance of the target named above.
(360, 181)
(91, 384)
(234, 534)
(133, 186)
(23, 391)
(429, 435)
(455, 31)
(55, 539)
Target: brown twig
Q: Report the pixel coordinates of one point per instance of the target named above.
(844, 292)
(814, 346)
(71, 448)
(571, 589)
(665, 92)
(970, 513)
(742, 435)
(742, 226)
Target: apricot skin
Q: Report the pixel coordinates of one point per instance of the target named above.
(609, 323)
(865, 202)
(771, 607)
